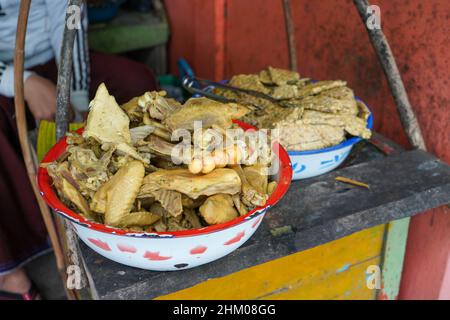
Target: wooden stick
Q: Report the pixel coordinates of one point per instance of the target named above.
(352, 181)
(387, 60)
(290, 31)
(62, 124)
(65, 77)
(19, 102)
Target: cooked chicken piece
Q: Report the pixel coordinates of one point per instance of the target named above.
(175, 153)
(157, 208)
(73, 138)
(163, 163)
(208, 111)
(241, 208)
(157, 105)
(218, 208)
(108, 123)
(89, 171)
(67, 187)
(160, 130)
(271, 187)
(251, 197)
(116, 197)
(181, 180)
(208, 139)
(140, 133)
(162, 108)
(178, 223)
(185, 221)
(192, 218)
(74, 196)
(281, 76)
(141, 218)
(192, 203)
(170, 201)
(257, 176)
(134, 112)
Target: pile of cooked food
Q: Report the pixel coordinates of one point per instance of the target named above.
(309, 115)
(128, 170)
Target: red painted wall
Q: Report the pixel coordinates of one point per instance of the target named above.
(333, 44)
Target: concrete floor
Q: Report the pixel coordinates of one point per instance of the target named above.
(45, 275)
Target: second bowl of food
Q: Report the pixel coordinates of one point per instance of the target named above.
(318, 122)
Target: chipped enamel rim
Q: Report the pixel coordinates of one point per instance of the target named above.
(49, 195)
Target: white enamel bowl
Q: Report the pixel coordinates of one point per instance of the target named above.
(164, 251)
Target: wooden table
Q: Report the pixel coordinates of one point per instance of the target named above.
(317, 242)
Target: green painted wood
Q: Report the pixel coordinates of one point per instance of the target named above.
(394, 253)
(129, 31)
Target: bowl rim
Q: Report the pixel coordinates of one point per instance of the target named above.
(346, 143)
(47, 192)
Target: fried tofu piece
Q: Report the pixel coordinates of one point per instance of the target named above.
(282, 77)
(337, 100)
(352, 124)
(249, 82)
(298, 136)
(318, 87)
(285, 91)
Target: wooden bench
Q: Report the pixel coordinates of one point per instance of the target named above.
(317, 243)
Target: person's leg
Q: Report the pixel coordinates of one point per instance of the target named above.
(15, 282)
(22, 231)
(124, 78)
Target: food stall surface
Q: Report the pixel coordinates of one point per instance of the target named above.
(279, 261)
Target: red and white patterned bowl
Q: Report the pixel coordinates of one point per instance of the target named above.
(165, 251)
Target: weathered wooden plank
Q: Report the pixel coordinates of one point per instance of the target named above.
(348, 285)
(394, 253)
(318, 210)
(318, 272)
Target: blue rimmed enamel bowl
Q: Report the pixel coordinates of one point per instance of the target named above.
(312, 163)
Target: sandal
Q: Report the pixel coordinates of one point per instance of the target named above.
(32, 294)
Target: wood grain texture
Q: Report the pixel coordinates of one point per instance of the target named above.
(318, 211)
(326, 272)
(393, 258)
